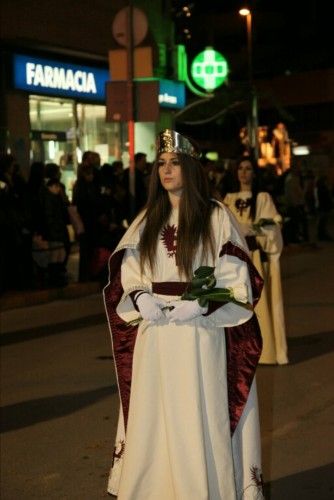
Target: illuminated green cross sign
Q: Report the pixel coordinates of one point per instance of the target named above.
(209, 69)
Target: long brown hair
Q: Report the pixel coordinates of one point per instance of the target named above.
(255, 183)
(194, 226)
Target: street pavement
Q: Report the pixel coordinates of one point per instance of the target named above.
(59, 395)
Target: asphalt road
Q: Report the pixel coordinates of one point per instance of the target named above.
(59, 396)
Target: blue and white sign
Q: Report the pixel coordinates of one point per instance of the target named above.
(172, 94)
(49, 77)
(44, 76)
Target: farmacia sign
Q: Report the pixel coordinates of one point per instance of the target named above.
(54, 78)
(60, 78)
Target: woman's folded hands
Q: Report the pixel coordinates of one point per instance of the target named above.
(150, 307)
(185, 310)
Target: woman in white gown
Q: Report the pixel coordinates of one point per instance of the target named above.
(188, 423)
(250, 206)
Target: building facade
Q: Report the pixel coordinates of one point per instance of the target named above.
(54, 71)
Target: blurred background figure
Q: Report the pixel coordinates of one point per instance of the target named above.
(325, 206)
(53, 172)
(210, 171)
(99, 197)
(281, 147)
(250, 206)
(296, 227)
(55, 232)
(120, 192)
(245, 148)
(141, 181)
(112, 203)
(36, 187)
(266, 150)
(93, 160)
(16, 267)
(311, 206)
(87, 199)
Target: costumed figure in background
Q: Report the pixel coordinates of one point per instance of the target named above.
(245, 142)
(261, 225)
(266, 152)
(282, 148)
(188, 424)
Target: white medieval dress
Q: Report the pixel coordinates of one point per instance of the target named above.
(266, 248)
(188, 424)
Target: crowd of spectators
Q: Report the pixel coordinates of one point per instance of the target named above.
(40, 224)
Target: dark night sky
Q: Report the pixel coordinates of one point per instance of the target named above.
(288, 35)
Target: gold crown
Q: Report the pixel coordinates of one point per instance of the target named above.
(170, 141)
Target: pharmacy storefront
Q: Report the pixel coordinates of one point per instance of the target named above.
(66, 111)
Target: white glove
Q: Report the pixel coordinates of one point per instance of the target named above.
(247, 230)
(271, 240)
(185, 310)
(150, 307)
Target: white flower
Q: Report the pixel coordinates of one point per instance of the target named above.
(240, 293)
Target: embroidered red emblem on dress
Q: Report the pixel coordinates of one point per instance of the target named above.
(241, 205)
(168, 236)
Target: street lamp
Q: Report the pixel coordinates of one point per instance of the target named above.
(247, 13)
(252, 124)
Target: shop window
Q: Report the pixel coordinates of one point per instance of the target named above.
(62, 129)
(52, 122)
(53, 136)
(95, 134)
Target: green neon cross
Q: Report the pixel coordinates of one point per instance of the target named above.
(209, 69)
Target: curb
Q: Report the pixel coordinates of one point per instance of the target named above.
(27, 298)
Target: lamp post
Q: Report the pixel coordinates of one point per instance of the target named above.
(252, 124)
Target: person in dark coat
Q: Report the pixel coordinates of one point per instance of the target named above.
(55, 231)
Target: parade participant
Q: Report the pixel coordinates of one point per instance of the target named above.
(253, 208)
(188, 423)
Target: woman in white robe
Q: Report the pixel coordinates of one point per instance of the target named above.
(265, 245)
(188, 425)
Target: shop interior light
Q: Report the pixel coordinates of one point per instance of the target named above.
(244, 11)
(301, 150)
(79, 154)
(52, 149)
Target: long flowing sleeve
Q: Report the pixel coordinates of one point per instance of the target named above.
(231, 272)
(271, 240)
(132, 280)
(233, 268)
